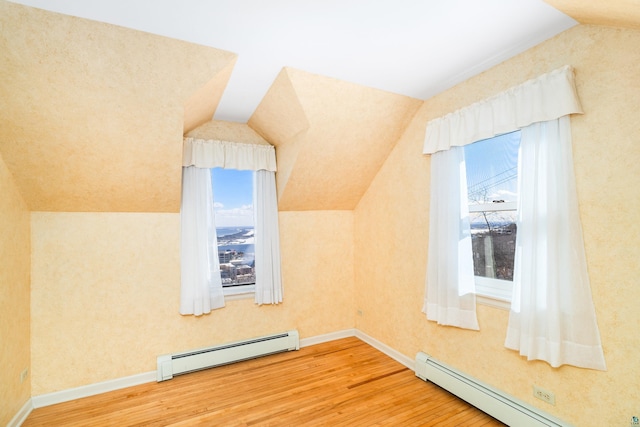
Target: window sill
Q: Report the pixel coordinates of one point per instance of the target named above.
(240, 292)
(494, 292)
(492, 301)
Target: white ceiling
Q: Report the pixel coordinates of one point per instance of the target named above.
(416, 48)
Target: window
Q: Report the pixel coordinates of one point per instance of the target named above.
(235, 230)
(200, 291)
(492, 178)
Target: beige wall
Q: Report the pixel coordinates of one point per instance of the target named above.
(331, 137)
(392, 229)
(14, 297)
(93, 114)
(105, 293)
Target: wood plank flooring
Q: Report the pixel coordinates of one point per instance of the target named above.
(339, 383)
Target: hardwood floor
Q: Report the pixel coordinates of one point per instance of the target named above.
(339, 383)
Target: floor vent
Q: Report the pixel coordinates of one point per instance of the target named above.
(170, 365)
(490, 400)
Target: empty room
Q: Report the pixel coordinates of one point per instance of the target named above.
(395, 197)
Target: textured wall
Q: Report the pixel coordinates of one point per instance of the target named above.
(616, 13)
(14, 297)
(105, 290)
(392, 230)
(92, 114)
(226, 131)
(336, 137)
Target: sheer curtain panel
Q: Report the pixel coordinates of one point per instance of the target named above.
(268, 275)
(450, 295)
(200, 285)
(552, 316)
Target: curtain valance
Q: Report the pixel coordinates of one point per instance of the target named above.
(548, 97)
(231, 155)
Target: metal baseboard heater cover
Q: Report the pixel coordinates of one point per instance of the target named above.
(492, 401)
(170, 365)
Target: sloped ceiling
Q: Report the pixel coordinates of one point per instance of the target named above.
(412, 48)
(336, 137)
(92, 114)
(615, 13)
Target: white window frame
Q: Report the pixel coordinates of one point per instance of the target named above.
(494, 292)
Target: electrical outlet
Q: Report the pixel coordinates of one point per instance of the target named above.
(23, 375)
(545, 395)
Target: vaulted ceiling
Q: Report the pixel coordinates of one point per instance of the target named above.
(92, 114)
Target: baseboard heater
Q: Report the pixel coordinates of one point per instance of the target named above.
(490, 400)
(170, 365)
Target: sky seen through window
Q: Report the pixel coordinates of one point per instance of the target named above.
(233, 197)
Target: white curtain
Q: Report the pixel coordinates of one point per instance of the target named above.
(549, 96)
(208, 153)
(552, 316)
(200, 286)
(450, 294)
(546, 97)
(267, 260)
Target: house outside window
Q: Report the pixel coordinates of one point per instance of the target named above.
(492, 182)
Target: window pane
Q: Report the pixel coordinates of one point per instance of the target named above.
(493, 238)
(233, 204)
(237, 256)
(492, 178)
(492, 169)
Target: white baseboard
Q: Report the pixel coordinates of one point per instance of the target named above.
(92, 389)
(319, 339)
(22, 414)
(148, 377)
(378, 345)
